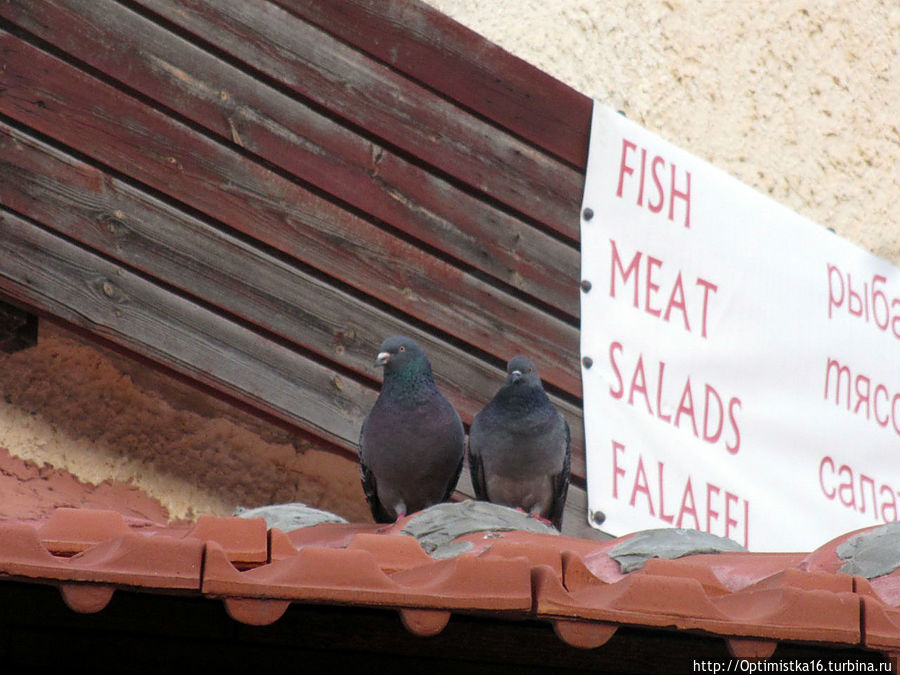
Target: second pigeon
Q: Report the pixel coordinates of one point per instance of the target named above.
(519, 452)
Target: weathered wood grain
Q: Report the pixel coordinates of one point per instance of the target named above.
(291, 135)
(63, 102)
(375, 98)
(50, 273)
(136, 229)
(444, 55)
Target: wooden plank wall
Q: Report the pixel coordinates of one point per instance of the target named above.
(254, 193)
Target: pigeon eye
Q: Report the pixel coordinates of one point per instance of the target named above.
(401, 348)
(531, 370)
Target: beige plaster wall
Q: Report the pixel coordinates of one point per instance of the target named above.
(799, 99)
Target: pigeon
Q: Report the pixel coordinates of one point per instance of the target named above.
(519, 452)
(412, 442)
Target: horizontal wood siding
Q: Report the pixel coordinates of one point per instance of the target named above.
(254, 194)
(47, 271)
(418, 41)
(321, 68)
(294, 137)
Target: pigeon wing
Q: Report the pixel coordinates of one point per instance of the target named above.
(452, 485)
(459, 442)
(476, 467)
(561, 484)
(370, 489)
(369, 485)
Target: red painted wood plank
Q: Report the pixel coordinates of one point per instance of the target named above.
(63, 102)
(315, 65)
(444, 55)
(131, 227)
(282, 130)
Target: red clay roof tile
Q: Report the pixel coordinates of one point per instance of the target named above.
(331, 535)
(880, 619)
(88, 578)
(753, 601)
(69, 531)
(244, 540)
(394, 553)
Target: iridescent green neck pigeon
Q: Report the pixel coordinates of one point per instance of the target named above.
(412, 443)
(519, 453)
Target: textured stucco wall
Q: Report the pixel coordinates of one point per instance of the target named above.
(84, 410)
(798, 99)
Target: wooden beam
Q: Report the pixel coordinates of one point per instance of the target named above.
(296, 138)
(65, 103)
(314, 64)
(444, 55)
(53, 274)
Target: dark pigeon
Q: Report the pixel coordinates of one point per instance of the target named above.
(412, 442)
(519, 452)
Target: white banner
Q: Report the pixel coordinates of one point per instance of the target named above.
(741, 364)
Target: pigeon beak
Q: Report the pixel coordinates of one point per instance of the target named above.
(515, 376)
(383, 358)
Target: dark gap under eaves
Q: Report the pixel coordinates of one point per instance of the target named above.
(18, 329)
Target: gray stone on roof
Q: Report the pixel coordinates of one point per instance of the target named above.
(287, 517)
(873, 553)
(438, 526)
(668, 543)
